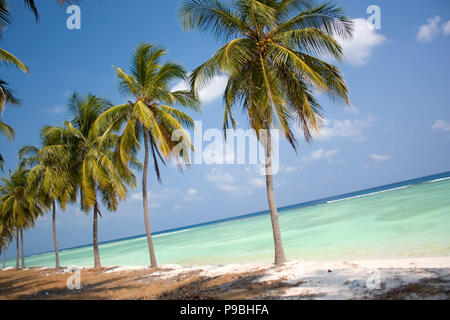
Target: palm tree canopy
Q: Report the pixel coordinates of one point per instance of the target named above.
(17, 204)
(49, 177)
(2, 162)
(271, 58)
(10, 59)
(6, 234)
(32, 6)
(6, 96)
(92, 162)
(152, 107)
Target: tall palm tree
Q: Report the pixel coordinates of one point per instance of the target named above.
(99, 177)
(6, 235)
(6, 96)
(150, 115)
(50, 179)
(19, 206)
(271, 59)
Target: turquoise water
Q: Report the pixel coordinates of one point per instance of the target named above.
(403, 221)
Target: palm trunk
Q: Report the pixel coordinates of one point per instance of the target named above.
(17, 248)
(21, 248)
(280, 257)
(153, 263)
(55, 243)
(4, 259)
(97, 264)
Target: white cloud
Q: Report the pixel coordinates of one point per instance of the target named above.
(161, 197)
(214, 89)
(343, 128)
(257, 182)
(55, 109)
(446, 28)
(154, 197)
(441, 125)
(192, 191)
(226, 182)
(429, 31)
(192, 195)
(321, 154)
(331, 153)
(138, 197)
(380, 157)
(316, 154)
(358, 49)
(217, 176)
(288, 169)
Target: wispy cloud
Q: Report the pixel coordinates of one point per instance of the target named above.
(289, 169)
(344, 129)
(441, 125)
(379, 157)
(192, 191)
(214, 89)
(55, 110)
(225, 181)
(218, 176)
(446, 28)
(321, 154)
(192, 195)
(430, 30)
(257, 182)
(358, 49)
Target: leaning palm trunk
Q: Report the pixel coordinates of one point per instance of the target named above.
(21, 248)
(279, 251)
(17, 248)
(97, 263)
(148, 231)
(55, 243)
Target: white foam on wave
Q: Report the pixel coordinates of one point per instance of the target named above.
(441, 179)
(170, 233)
(369, 194)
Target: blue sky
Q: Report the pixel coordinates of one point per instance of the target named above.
(398, 129)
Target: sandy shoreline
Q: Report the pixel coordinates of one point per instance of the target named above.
(414, 278)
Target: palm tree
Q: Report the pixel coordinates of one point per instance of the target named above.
(271, 59)
(5, 238)
(19, 206)
(5, 16)
(6, 96)
(150, 116)
(92, 160)
(49, 179)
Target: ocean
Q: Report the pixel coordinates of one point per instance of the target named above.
(401, 220)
